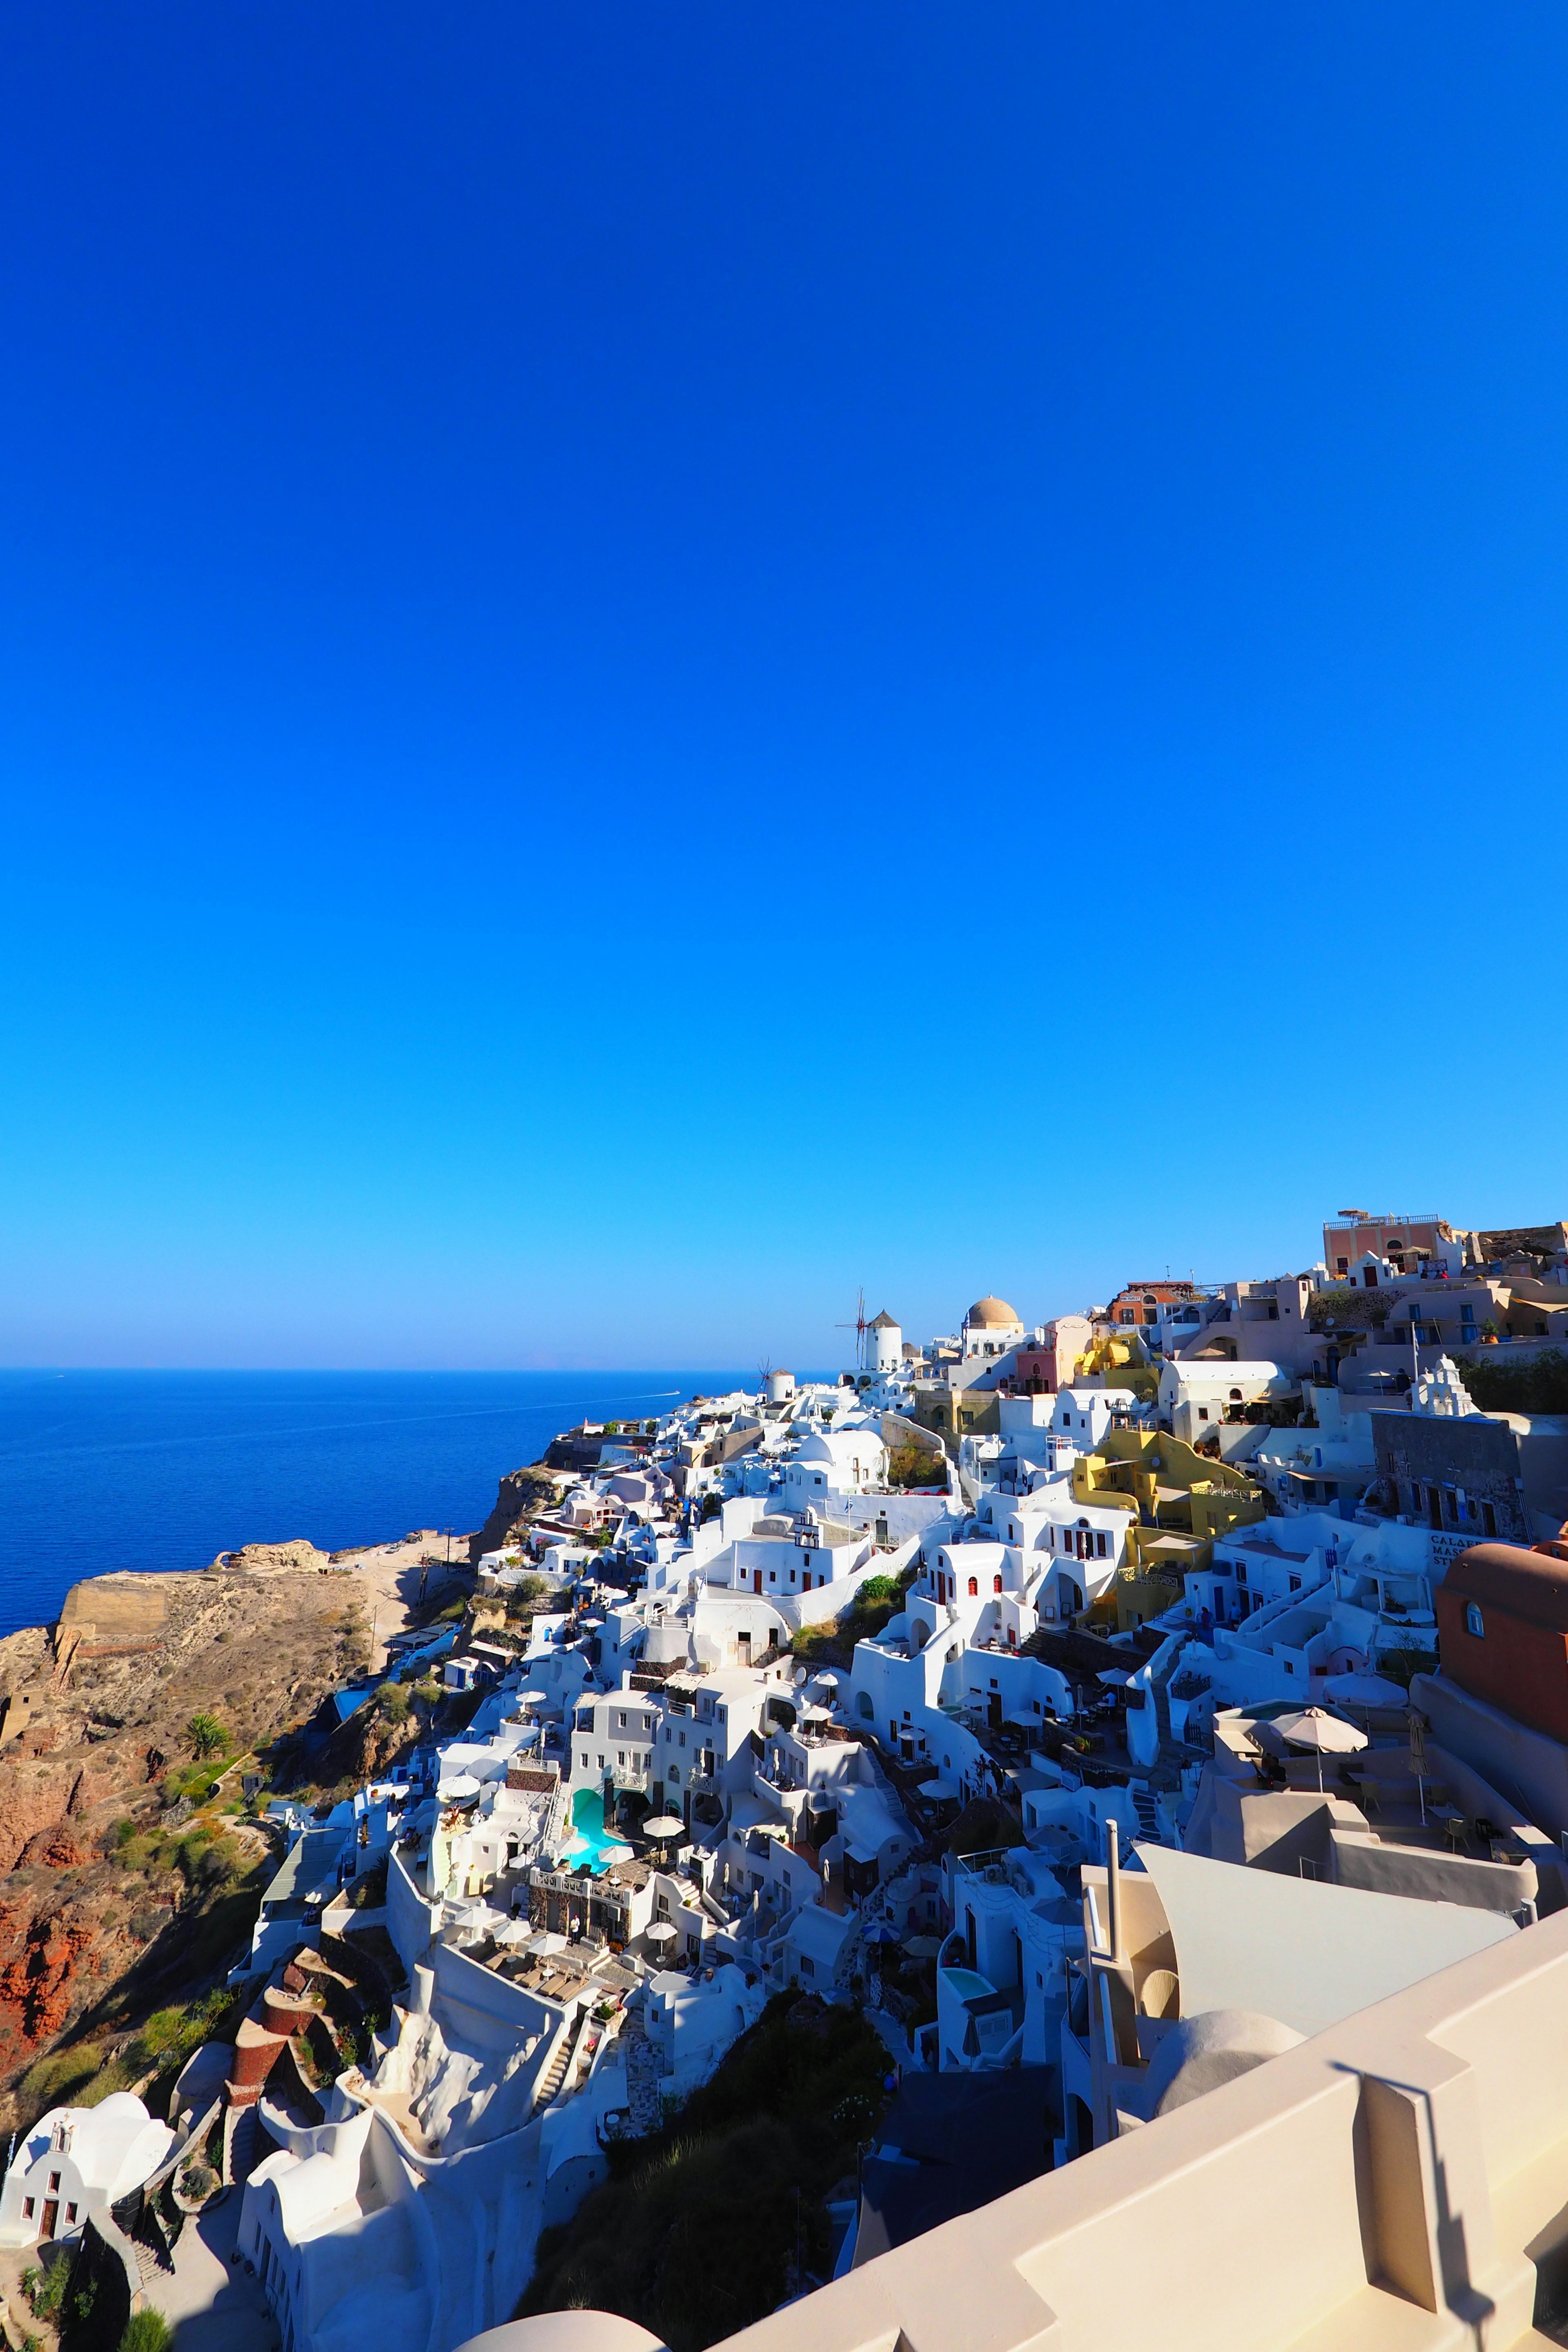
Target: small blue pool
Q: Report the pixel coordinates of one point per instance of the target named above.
(590, 1841)
(967, 1984)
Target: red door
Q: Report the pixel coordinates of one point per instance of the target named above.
(51, 2213)
(757, 1580)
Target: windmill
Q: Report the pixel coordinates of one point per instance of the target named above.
(858, 1327)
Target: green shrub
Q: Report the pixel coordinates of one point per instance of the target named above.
(917, 1465)
(54, 2080)
(147, 2331)
(393, 1703)
(1498, 1386)
(46, 2290)
(699, 2228)
(112, 2076)
(208, 1736)
(875, 1589)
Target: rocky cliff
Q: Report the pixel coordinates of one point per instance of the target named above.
(522, 1495)
(111, 1895)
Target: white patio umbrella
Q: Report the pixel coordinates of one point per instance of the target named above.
(666, 1825)
(548, 1945)
(661, 1932)
(1324, 1734)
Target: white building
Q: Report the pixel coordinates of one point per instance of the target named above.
(884, 1345)
(991, 1328)
(1195, 1396)
(77, 2161)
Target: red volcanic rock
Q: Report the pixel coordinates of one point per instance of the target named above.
(36, 1987)
(32, 1798)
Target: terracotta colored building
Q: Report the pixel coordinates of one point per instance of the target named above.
(1503, 1616)
(1404, 1240)
(1141, 1303)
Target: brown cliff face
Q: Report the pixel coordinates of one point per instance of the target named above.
(36, 1983)
(108, 1908)
(521, 1492)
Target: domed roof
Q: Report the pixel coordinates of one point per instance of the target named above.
(1214, 2047)
(1524, 1583)
(991, 1315)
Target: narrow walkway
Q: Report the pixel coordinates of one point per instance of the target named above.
(211, 2302)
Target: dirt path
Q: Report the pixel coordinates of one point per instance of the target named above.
(394, 1576)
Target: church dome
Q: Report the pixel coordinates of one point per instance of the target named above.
(992, 1315)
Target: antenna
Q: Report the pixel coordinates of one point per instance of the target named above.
(858, 1327)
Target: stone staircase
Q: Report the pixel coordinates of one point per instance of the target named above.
(249, 2146)
(1144, 1806)
(555, 2074)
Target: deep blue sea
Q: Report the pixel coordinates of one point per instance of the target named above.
(159, 1470)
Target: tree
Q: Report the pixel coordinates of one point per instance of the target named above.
(208, 1736)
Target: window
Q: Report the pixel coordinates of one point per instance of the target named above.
(1203, 1412)
(995, 1584)
(974, 1587)
(807, 1967)
(1474, 1621)
(1101, 1546)
(1341, 1266)
(70, 2213)
(54, 2184)
(27, 2203)
(584, 1759)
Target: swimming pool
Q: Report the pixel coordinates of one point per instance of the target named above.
(590, 1841)
(967, 1984)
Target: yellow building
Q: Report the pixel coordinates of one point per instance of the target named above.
(1180, 1501)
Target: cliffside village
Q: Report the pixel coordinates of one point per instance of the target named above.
(1121, 1700)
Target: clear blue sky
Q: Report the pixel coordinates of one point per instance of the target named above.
(657, 660)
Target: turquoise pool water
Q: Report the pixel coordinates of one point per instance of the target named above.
(590, 1841)
(967, 1984)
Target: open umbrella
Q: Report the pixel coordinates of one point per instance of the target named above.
(548, 1945)
(1324, 1734)
(661, 1932)
(665, 1827)
(880, 1935)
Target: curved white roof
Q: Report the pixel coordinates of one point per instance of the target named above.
(114, 2145)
